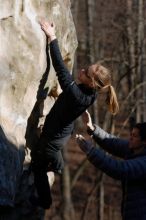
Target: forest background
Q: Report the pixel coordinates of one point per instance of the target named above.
(114, 34)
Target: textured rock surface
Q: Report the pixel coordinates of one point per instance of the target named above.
(28, 84)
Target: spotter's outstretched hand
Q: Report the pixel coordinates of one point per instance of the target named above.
(84, 144)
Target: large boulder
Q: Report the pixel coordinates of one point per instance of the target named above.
(28, 85)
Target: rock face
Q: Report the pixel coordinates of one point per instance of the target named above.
(28, 85)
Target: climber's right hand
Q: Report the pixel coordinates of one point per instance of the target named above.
(48, 28)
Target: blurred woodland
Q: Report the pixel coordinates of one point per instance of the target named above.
(114, 34)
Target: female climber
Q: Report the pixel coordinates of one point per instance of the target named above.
(70, 104)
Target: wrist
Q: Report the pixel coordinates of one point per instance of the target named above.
(90, 130)
(52, 37)
(86, 146)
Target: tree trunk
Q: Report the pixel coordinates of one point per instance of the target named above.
(101, 199)
(140, 53)
(90, 46)
(67, 210)
(131, 43)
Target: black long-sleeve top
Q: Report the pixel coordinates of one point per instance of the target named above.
(71, 103)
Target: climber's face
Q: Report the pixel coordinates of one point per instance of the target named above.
(86, 76)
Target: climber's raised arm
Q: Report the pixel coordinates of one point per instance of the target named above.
(64, 76)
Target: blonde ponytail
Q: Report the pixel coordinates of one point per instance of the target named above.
(112, 101)
(102, 82)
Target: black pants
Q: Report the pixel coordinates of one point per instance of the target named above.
(48, 151)
(39, 168)
(45, 157)
(42, 187)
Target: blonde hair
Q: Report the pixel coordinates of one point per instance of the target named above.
(102, 81)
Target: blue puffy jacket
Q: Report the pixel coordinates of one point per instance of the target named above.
(131, 171)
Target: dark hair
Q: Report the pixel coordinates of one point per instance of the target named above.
(142, 130)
